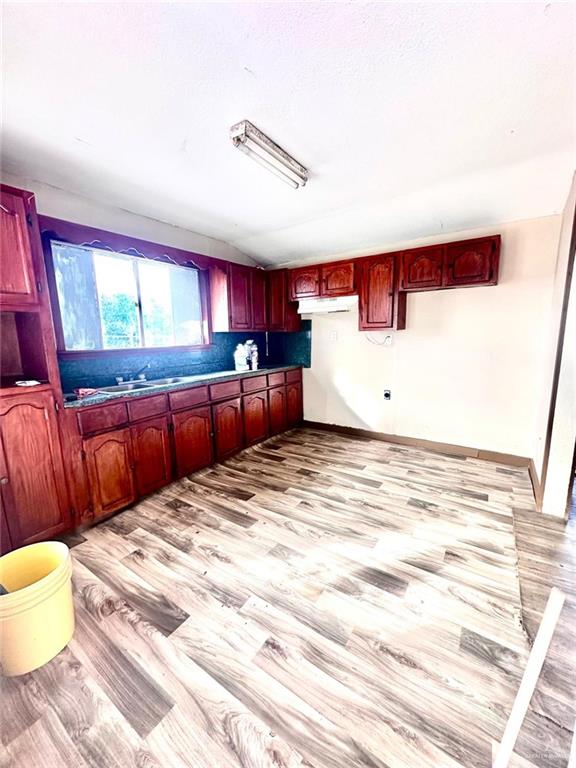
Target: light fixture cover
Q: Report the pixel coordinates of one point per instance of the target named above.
(267, 153)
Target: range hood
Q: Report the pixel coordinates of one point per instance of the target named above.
(324, 306)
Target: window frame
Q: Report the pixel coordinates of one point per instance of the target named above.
(88, 237)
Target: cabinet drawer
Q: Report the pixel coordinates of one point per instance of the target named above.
(225, 389)
(276, 379)
(148, 406)
(102, 418)
(185, 398)
(293, 377)
(254, 383)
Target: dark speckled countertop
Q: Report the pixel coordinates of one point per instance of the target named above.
(189, 381)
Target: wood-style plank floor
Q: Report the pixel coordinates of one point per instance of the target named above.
(317, 601)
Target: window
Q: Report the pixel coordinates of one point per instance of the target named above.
(115, 301)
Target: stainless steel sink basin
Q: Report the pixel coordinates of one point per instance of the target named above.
(127, 387)
(172, 380)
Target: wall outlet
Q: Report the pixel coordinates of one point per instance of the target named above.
(387, 394)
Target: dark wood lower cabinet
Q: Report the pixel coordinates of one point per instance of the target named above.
(152, 455)
(277, 407)
(110, 467)
(255, 408)
(32, 480)
(192, 439)
(294, 411)
(228, 428)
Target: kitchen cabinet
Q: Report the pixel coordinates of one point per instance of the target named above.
(152, 455)
(32, 479)
(5, 540)
(277, 409)
(239, 302)
(422, 268)
(293, 404)
(255, 410)
(282, 313)
(304, 283)
(376, 296)
(228, 428)
(337, 279)
(322, 280)
(258, 299)
(17, 277)
(472, 262)
(110, 467)
(192, 439)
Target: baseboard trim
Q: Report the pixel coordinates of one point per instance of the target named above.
(431, 445)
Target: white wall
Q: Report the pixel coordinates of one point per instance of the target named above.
(55, 202)
(468, 368)
(563, 436)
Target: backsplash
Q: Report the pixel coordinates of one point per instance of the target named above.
(100, 370)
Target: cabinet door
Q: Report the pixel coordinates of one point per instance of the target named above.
(422, 268)
(376, 297)
(294, 408)
(5, 539)
(239, 303)
(110, 471)
(17, 280)
(255, 408)
(304, 283)
(337, 279)
(152, 458)
(258, 297)
(33, 484)
(282, 314)
(472, 262)
(277, 409)
(193, 439)
(228, 428)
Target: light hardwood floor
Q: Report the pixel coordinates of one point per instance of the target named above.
(317, 601)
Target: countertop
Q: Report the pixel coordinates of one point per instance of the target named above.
(190, 381)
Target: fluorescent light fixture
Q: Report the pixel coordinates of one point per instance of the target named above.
(268, 154)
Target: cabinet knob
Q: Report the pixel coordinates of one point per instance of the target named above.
(3, 481)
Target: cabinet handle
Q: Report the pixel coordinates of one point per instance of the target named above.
(4, 481)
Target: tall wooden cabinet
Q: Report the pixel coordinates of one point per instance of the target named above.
(380, 305)
(32, 480)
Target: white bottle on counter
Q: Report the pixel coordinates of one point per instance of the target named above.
(240, 358)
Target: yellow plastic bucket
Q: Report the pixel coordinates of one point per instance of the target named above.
(37, 614)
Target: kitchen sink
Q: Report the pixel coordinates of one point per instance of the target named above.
(127, 387)
(172, 380)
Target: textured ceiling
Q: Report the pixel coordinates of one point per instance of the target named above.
(413, 118)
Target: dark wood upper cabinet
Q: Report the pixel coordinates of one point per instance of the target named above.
(293, 404)
(228, 428)
(258, 291)
(152, 457)
(193, 439)
(304, 283)
(255, 409)
(239, 297)
(17, 275)
(337, 279)
(110, 465)
(277, 409)
(376, 294)
(472, 262)
(422, 268)
(32, 480)
(282, 313)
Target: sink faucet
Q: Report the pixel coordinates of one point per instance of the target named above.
(138, 376)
